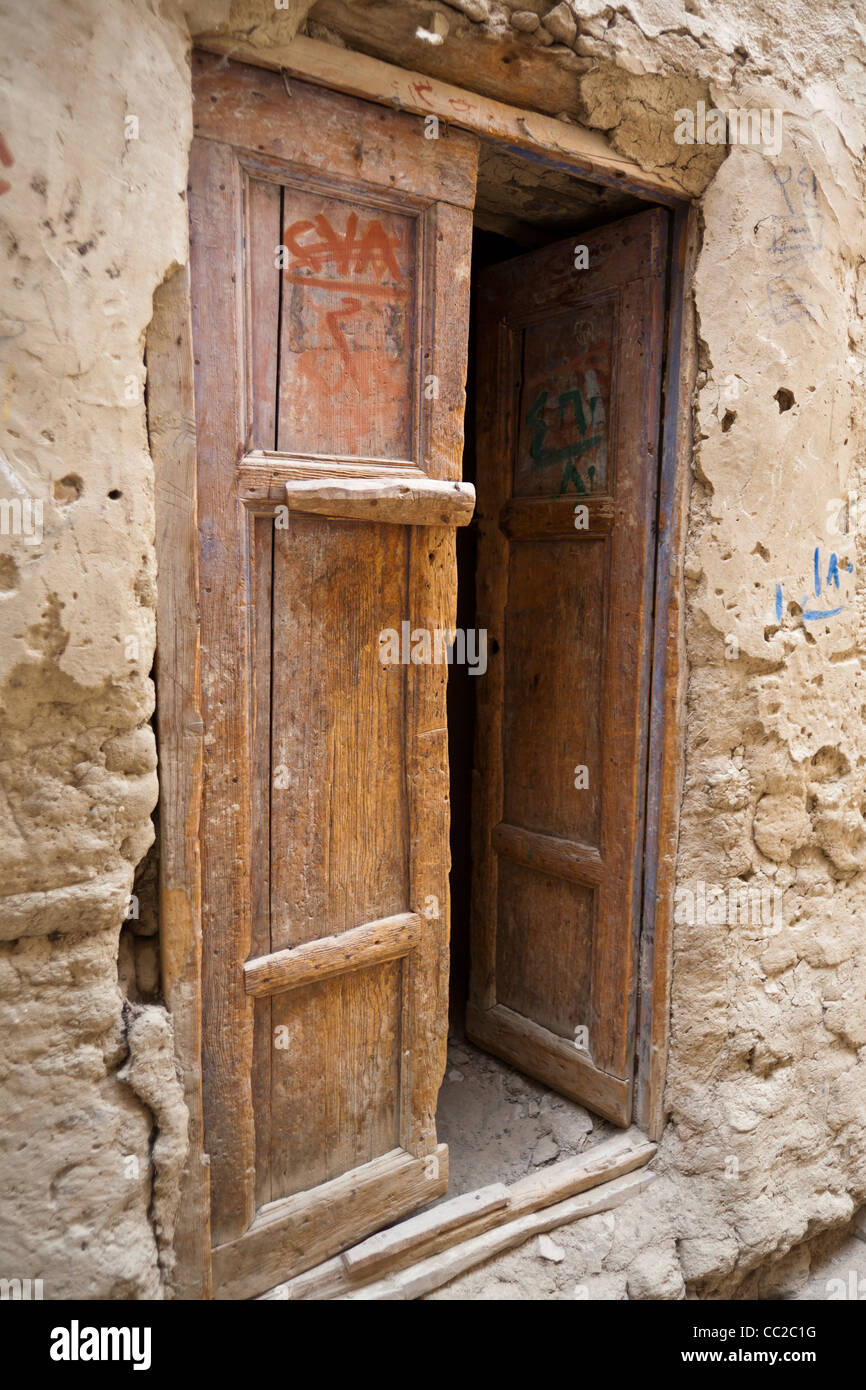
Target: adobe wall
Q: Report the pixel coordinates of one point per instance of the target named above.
(767, 1078)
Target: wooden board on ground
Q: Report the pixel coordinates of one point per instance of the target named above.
(432, 1273)
(434, 1231)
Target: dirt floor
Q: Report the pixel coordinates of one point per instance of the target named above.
(500, 1125)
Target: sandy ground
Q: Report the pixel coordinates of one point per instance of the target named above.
(500, 1125)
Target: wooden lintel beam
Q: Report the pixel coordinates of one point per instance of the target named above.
(588, 152)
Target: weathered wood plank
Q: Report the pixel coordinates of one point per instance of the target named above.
(439, 1269)
(370, 944)
(549, 854)
(419, 502)
(552, 1059)
(263, 236)
(581, 150)
(263, 232)
(171, 431)
(216, 227)
(384, 1248)
(609, 1160)
(667, 717)
(291, 1235)
(317, 132)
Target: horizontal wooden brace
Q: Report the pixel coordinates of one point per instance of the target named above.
(537, 518)
(548, 854)
(418, 501)
(550, 1058)
(262, 474)
(389, 938)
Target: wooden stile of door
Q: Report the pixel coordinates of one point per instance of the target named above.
(569, 384)
(330, 252)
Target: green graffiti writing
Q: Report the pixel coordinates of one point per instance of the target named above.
(543, 457)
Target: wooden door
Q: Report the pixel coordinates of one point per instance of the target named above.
(330, 248)
(568, 425)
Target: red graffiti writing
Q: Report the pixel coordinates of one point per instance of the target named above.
(350, 254)
(420, 91)
(348, 317)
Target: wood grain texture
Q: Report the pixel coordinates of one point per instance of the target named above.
(263, 234)
(227, 1018)
(335, 1076)
(419, 502)
(374, 942)
(388, 1247)
(573, 415)
(540, 1052)
(549, 854)
(437, 1270)
(544, 940)
(428, 1234)
(261, 579)
(433, 588)
(298, 1232)
(171, 433)
(668, 710)
(567, 146)
(349, 327)
(339, 837)
(319, 133)
(325, 825)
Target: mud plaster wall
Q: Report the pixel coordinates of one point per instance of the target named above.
(767, 1074)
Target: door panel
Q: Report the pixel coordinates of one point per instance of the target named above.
(349, 345)
(568, 420)
(328, 490)
(340, 751)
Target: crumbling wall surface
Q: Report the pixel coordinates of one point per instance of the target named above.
(766, 1142)
(96, 124)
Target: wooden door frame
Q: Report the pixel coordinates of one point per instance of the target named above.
(171, 428)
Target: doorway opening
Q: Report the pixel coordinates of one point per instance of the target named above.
(305, 831)
(500, 1122)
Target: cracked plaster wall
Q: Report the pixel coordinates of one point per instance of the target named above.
(767, 1075)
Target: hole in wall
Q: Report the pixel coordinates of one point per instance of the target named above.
(9, 574)
(68, 489)
(784, 399)
(830, 763)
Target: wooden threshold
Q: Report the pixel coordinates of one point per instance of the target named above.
(432, 1273)
(299, 1231)
(476, 1225)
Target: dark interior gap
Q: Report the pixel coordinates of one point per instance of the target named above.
(498, 1123)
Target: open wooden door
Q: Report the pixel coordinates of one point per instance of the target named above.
(569, 384)
(329, 397)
